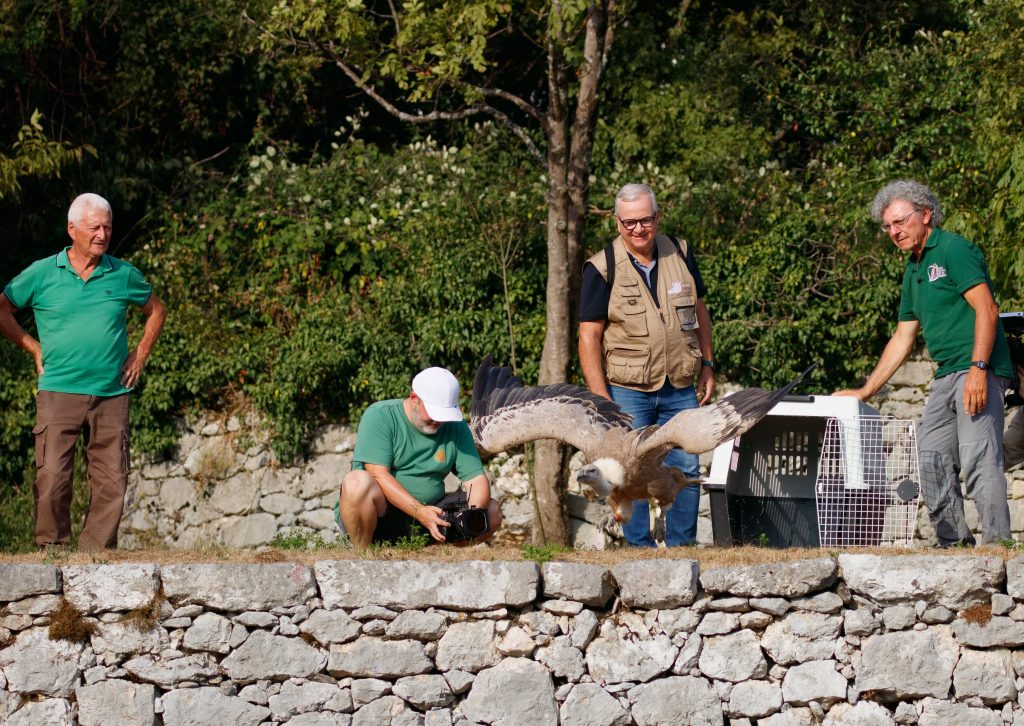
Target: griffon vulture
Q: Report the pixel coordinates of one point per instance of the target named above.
(623, 464)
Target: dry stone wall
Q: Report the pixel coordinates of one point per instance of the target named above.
(225, 486)
(858, 639)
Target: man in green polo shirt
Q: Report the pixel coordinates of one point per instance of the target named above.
(405, 447)
(947, 294)
(80, 298)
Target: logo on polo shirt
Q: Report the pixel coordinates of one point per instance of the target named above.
(439, 456)
(935, 272)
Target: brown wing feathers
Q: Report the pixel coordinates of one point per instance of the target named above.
(505, 414)
(702, 429)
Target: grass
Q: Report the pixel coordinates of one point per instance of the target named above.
(543, 553)
(144, 618)
(709, 557)
(297, 539)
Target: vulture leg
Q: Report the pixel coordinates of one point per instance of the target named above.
(659, 524)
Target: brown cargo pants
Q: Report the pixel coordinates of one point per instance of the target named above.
(60, 419)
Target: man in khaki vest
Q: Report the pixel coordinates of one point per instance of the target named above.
(645, 338)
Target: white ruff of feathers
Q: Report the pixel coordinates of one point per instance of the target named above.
(612, 471)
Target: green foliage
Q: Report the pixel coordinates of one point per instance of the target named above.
(17, 506)
(295, 539)
(414, 542)
(35, 156)
(542, 553)
(316, 289)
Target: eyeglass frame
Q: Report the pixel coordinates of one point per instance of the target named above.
(630, 224)
(898, 223)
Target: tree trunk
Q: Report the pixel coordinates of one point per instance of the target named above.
(569, 162)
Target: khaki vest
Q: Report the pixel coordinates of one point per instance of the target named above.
(644, 344)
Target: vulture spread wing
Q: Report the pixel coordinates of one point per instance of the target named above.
(505, 414)
(701, 429)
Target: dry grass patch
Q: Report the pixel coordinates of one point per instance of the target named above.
(146, 617)
(708, 557)
(979, 614)
(67, 623)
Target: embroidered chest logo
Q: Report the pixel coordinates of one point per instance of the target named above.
(439, 456)
(935, 272)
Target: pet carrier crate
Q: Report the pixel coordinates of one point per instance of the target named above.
(762, 484)
(868, 484)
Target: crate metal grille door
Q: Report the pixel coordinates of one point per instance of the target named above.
(868, 486)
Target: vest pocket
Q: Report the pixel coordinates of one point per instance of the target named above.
(628, 365)
(691, 357)
(634, 320)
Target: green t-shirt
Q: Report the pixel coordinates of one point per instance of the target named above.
(933, 293)
(419, 462)
(81, 324)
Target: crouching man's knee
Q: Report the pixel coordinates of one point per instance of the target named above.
(360, 503)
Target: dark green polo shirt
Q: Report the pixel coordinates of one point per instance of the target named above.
(420, 462)
(81, 324)
(933, 293)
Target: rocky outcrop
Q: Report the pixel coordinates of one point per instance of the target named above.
(853, 640)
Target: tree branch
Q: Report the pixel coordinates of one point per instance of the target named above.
(475, 109)
(515, 100)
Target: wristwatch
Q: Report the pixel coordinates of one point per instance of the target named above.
(981, 364)
(709, 364)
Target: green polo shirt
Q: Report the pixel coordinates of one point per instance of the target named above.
(419, 462)
(933, 293)
(81, 324)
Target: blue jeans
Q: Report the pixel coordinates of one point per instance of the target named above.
(658, 407)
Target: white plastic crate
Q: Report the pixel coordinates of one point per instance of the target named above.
(762, 484)
(868, 485)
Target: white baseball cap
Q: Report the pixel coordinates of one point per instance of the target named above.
(439, 391)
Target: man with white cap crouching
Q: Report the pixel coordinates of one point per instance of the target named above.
(405, 447)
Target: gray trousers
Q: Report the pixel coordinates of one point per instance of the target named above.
(951, 442)
(1013, 440)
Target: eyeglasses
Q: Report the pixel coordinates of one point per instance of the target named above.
(898, 223)
(645, 222)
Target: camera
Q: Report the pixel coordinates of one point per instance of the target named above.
(1013, 326)
(465, 521)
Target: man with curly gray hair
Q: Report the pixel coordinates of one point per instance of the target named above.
(947, 295)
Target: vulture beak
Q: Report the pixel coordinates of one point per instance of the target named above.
(588, 474)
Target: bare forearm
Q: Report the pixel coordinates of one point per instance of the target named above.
(592, 357)
(704, 338)
(896, 351)
(156, 314)
(16, 334)
(478, 491)
(393, 490)
(985, 317)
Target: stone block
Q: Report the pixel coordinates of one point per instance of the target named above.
(779, 579)
(109, 588)
(907, 665)
(116, 702)
(497, 695)
(194, 706)
(682, 700)
(413, 585)
(656, 584)
(238, 587)
(272, 657)
(957, 583)
(34, 664)
(20, 581)
(588, 584)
